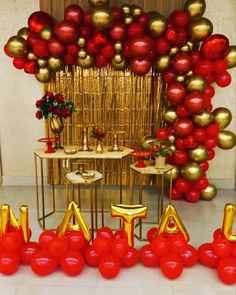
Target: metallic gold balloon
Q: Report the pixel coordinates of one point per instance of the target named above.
(171, 223)
(171, 138)
(128, 214)
(55, 64)
(162, 63)
(191, 45)
(200, 28)
(203, 119)
(198, 154)
(157, 24)
(128, 19)
(226, 140)
(81, 42)
(82, 53)
(191, 171)
(102, 17)
(174, 50)
(119, 66)
(172, 147)
(228, 222)
(95, 3)
(195, 8)
(181, 78)
(86, 63)
(147, 141)
(118, 46)
(231, 56)
(169, 115)
(189, 74)
(223, 117)
(31, 56)
(42, 62)
(44, 75)
(185, 48)
(17, 46)
(46, 33)
(118, 58)
(23, 32)
(136, 10)
(196, 83)
(175, 172)
(209, 192)
(126, 8)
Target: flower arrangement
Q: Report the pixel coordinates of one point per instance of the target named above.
(161, 149)
(97, 133)
(51, 105)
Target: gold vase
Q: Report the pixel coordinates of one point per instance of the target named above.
(160, 162)
(57, 125)
(99, 147)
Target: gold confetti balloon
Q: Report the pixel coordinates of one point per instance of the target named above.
(226, 140)
(222, 116)
(209, 192)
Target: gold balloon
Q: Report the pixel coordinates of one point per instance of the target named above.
(174, 50)
(198, 154)
(196, 83)
(118, 46)
(31, 56)
(228, 222)
(102, 17)
(118, 58)
(185, 48)
(172, 147)
(223, 117)
(181, 78)
(128, 19)
(128, 214)
(189, 73)
(136, 10)
(86, 63)
(44, 75)
(200, 28)
(42, 62)
(203, 119)
(81, 42)
(126, 8)
(17, 46)
(82, 53)
(195, 8)
(191, 171)
(209, 192)
(95, 3)
(226, 140)
(169, 115)
(119, 66)
(231, 56)
(46, 33)
(171, 138)
(147, 141)
(157, 24)
(55, 64)
(191, 45)
(23, 32)
(162, 63)
(175, 172)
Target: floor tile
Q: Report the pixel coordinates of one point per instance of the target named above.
(133, 291)
(8, 290)
(58, 290)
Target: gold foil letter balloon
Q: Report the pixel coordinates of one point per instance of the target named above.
(228, 222)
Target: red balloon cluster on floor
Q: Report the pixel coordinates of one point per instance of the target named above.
(220, 255)
(169, 251)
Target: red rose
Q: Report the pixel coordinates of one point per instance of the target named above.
(67, 112)
(50, 109)
(59, 97)
(49, 94)
(38, 115)
(57, 112)
(38, 103)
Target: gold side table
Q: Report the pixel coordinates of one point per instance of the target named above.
(150, 170)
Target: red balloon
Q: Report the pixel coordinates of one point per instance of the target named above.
(92, 258)
(45, 238)
(179, 142)
(210, 79)
(193, 196)
(171, 265)
(195, 57)
(72, 49)
(179, 18)
(27, 251)
(226, 270)
(194, 102)
(208, 104)
(176, 93)
(70, 59)
(220, 66)
(9, 262)
(108, 50)
(206, 256)
(160, 246)
(211, 155)
(217, 233)
(120, 247)
(118, 32)
(189, 256)
(66, 31)
(181, 36)
(58, 247)
(210, 143)
(221, 247)
(147, 257)
(162, 133)
(19, 62)
(32, 38)
(87, 18)
(190, 142)
(140, 47)
(106, 232)
(74, 13)
(234, 251)
(76, 240)
(140, 66)
(102, 245)
(215, 47)
(39, 20)
(135, 30)
(7, 51)
(175, 195)
(204, 68)
(182, 111)
(209, 92)
(56, 48)
(178, 243)
(120, 234)
(101, 61)
(117, 13)
(183, 127)
(143, 19)
(109, 266)
(151, 234)
(11, 241)
(181, 157)
(223, 80)
(182, 185)
(43, 263)
(72, 263)
(85, 32)
(40, 48)
(171, 34)
(199, 134)
(200, 184)
(204, 166)
(161, 46)
(130, 258)
(169, 76)
(91, 48)
(181, 63)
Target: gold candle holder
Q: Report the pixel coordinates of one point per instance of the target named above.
(115, 147)
(85, 146)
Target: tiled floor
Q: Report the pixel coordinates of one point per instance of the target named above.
(200, 219)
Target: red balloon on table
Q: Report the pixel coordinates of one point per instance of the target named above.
(217, 233)
(12, 241)
(130, 258)
(176, 93)
(58, 247)
(92, 258)
(27, 251)
(119, 247)
(106, 232)
(74, 13)
(109, 266)
(226, 270)
(189, 256)
(171, 265)
(151, 234)
(45, 238)
(147, 257)
(207, 256)
(9, 262)
(43, 263)
(76, 240)
(72, 263)
(102, 245)
(178, 243)
(222, 247)
(39, 20)
(160, 246)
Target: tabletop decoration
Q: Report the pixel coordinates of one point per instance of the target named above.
(97, 134)
(161, 150)
(141, 154)
(49, 142)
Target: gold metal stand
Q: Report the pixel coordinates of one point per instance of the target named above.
(115, 147)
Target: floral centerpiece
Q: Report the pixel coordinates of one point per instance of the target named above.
(97, 134)
(161, 150)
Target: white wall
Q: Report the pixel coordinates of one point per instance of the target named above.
(19, 129)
